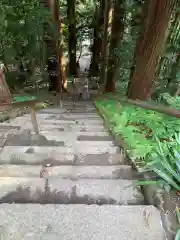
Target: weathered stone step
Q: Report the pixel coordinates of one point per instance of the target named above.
(85, 116)
(24, 124)
(76, 105)
(99, 159)
(66, 112)
(51, 139)
(80, 222)
(78, 102)
(87, 143)
(57, 156)
(54, 156)
(68, 172)
(66, 119)
(76, 136)
(56, 134)
(62, 121)
(80, 123)
(80, 136)
(6, 126)
(70, 110)
(69, 106)
(25, 138)
(72, 128)
(48, 152)
(60, 124)
(61, 191)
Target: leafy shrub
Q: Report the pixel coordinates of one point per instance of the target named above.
(165, 162)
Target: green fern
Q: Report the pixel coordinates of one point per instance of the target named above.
(138, 127)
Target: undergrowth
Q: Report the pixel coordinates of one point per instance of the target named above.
(138, 127)
(167, 99)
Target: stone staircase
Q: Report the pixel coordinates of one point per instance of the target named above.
(71, 182)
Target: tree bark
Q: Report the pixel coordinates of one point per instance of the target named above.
(104, 44)
(149, 47)
(138, 19)
(61, 60)
(97, 42)
(72, 40)
(55, 46)
(116, 36)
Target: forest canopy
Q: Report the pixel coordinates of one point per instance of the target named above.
(133, 44)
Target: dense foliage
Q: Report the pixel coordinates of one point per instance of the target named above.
(22, 38)
(21, 33)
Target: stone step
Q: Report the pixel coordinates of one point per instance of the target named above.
(71, 128)
(77, 105)
(25, 138)
(79, 102)
(81, 149)
(58, 134)
(66, 136)
(94, 143)
(61, 191)
(96, 138)
(71, 119)
(57, 156)
(62, 105)
(70, 122)
(67, 112)
(7, 127)
(68, 172)
(82, 136)
(99, 159)
(70, 110)
(80, 222)
(24, 124)
(61, 121)
(67, 116)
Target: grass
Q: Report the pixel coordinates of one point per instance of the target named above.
(138, 127)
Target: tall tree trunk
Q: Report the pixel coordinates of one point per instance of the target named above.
(72, 40)
(149, 47)
(138, 19)
(104, 44)
(97, 42)
(116, 36)
(55, 47)
(62, 78)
